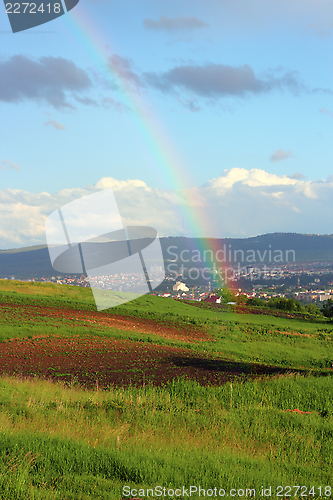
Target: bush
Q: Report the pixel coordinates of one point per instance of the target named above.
(255, 301)
(327, 309)
(312, 309)
(285, 304)
(226, 294)
(242, 299)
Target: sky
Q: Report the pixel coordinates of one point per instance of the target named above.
(212, 117)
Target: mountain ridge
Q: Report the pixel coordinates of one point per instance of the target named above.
(34, 261)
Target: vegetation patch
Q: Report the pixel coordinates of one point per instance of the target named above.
(158, 392)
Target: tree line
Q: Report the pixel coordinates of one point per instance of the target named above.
(281, 303)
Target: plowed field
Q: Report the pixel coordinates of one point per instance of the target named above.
(99, 362)
(96, 361)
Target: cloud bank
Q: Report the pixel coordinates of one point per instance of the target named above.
(215, 81)
(48, 80)
(59, 83)
(238, 203)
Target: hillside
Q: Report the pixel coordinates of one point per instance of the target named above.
(34, 261)
(158, 392)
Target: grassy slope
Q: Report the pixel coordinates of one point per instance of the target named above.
(242, 337)
(91, 444)
(73, 444)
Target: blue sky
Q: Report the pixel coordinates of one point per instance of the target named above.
(240, 91)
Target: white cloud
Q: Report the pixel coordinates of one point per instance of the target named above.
(298, 175)
(55, 124)
(109, 103)
(308, 189)
(109, 182)
(280, 154)
(254, 178)
(20, 224)
(9, 164)
(326, 112)
(47, 80)
(124, 69)
(239, 203)
(217, 81)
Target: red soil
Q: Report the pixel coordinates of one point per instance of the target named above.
(92, 361)
(107, 361)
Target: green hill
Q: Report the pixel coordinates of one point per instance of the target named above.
(94, 406)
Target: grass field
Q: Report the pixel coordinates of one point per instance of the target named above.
(158, 393)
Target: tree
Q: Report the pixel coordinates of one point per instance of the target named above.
(285, 304)
(225, 294)
(255, 301)
(327, 309)
(312, 309)
(241, 299)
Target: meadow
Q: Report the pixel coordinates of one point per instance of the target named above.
(157, 393)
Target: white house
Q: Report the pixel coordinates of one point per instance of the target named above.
(180, 286)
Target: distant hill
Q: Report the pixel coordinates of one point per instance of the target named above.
(306, 248)
(35, 262)
(26, 263)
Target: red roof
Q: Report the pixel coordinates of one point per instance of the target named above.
(211, 298)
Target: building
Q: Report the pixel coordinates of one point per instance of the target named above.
(213, 298)
(179, 286)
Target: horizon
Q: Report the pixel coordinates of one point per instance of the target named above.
(42, 246)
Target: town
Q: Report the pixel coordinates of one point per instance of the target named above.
(310, 282)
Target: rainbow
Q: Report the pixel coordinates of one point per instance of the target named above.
(174, 172)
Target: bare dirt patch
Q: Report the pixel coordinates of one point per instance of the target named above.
(95, 361)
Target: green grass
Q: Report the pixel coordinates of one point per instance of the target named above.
(50, 292)
(60, 442)
(71, 443)
(288, 343)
